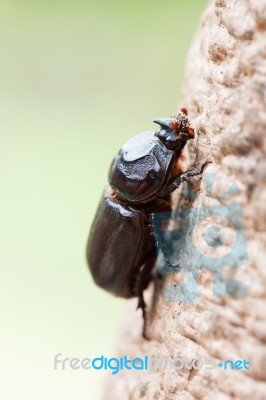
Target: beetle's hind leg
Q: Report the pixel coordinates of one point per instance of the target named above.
(143, 279)
(142, 306)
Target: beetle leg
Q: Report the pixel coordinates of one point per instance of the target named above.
(141, 284)
(160, 243)
(194, 172)
(176, 180)
(142, 304)
(173, 185)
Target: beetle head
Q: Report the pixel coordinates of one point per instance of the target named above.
(174, 132)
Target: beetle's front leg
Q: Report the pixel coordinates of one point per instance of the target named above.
(176, 180)
(172, 185)
(194, 172)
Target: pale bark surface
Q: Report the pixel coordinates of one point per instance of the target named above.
(225, 93)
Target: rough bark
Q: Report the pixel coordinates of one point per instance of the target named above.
(225, 93)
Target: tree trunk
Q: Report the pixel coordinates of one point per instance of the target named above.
(215, 307)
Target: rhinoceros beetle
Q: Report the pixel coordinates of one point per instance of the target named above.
(121, 250)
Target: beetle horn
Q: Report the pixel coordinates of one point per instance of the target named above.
(165, 122)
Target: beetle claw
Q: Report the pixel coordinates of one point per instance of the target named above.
(204, 165)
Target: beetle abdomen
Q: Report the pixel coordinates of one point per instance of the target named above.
(139, 170)
(117, 246)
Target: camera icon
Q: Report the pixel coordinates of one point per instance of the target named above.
(210, 237)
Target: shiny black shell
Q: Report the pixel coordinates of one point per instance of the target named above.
(139, 170)
(119, 244)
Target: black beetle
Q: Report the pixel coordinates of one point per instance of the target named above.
(121, 249)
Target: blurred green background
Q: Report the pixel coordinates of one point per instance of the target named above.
(77, 80)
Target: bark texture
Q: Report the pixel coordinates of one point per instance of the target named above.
(225, 93)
